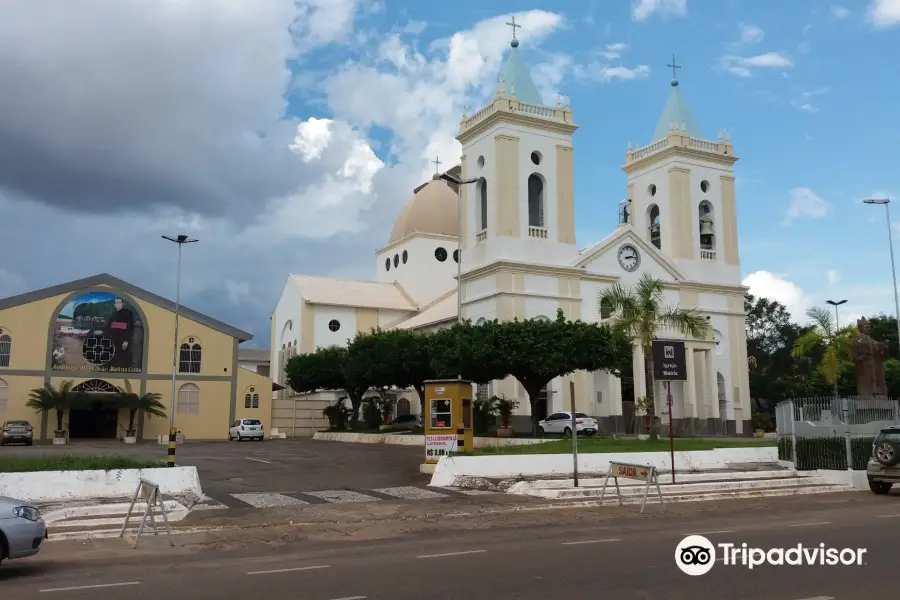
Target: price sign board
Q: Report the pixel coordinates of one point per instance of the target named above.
(437, 446)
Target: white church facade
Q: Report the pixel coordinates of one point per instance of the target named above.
(520, 260)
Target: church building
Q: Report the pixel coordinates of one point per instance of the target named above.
(519, 258)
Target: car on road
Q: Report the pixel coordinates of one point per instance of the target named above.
(405, 423)
(22, 530)
(247, 429)
(17, 432)
(561, 422)
(883, 470)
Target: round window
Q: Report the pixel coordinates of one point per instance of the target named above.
(396, 260)
(387, 264)
(456, 256)
(440, 254)
(405, 257)
(334, 325)
(704, 186)
(480, 162)
(536, 157)
(652, 189)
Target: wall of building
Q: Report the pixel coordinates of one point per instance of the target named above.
(422, 276)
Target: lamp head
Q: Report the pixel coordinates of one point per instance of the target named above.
(876, 201)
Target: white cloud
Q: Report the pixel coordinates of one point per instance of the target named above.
(743, 66)
(751, 34)
(641, 10)
(884, 13)
(839, 12)
(805, 204)
(765, 284)
(802, 99)
(613, 51)
(834, 276)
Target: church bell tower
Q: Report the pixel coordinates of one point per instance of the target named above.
(519, 151)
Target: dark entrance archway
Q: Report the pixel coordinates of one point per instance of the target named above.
(97, 419)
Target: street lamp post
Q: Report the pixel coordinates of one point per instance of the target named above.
(181, 240)
(887, 212)
(845, 403)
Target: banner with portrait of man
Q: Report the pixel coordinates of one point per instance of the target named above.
(98, 331)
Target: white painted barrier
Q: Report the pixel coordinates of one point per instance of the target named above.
(400, 439)
(508, 466)
(65, 486)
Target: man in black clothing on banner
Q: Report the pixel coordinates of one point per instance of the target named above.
(120, 330)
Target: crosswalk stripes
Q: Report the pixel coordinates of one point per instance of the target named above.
(341, 496)
(268, 500)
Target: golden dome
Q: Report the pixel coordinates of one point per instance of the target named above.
(433, 209)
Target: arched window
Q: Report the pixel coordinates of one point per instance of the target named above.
(535, 201)
(188, 400)
(251, 398)
(96, 386)
(5, 349)
(481, 186)
(481, 321)
(707, 231)
(654, 228)
(606, 310)
(542, 318)
(403, 407)
(4, 395)
(189, 356)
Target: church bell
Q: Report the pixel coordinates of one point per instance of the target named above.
(706, 227)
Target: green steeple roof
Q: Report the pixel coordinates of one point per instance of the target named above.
(676, 111)
(515, 77)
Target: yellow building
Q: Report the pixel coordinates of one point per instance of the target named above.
(100, 332)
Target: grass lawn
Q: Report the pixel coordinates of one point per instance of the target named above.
(594, 445)
(69, 462)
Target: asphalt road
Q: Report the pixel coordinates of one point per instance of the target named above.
(272, 466)
(632, 558)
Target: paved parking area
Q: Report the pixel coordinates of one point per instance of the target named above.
(284, 472)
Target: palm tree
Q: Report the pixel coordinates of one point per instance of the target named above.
(47, 398)
(148, 404)
(825, 334)
(639, 312)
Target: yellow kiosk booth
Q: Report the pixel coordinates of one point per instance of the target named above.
(448, 418)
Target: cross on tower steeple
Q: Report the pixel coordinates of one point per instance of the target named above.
(437, 165)
(514, 26)
(674, 65)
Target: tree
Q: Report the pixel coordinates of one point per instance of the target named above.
(835, 344)
(148, 403)
(775, 374)
(639, 314)
(331, 368)
(394, 358)
(60, 400)
(537, 351)
(883, 328)
(467, 351)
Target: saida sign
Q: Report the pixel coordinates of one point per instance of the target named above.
(669, 361)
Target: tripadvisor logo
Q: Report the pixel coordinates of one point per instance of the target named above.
(696, 555)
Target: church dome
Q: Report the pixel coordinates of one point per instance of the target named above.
(432, 209)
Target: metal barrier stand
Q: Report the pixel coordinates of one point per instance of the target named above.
(644, 473)
(149, 492)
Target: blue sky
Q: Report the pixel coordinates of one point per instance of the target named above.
(290, 134)
(795, 88)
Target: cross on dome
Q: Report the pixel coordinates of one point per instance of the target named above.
(674, 66)
(514, 43)
(437, 164)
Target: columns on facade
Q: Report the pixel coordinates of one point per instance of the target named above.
(640, 378)
(712, 386)
(690, 389)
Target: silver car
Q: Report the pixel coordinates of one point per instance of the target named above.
(22, 530)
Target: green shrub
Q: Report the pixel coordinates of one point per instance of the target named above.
(763, 420)
(71, 462)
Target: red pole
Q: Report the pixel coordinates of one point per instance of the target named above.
(671, 437)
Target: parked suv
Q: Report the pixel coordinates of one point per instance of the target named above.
(883, 469)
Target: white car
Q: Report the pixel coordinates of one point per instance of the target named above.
(561, 422)
(246, 429)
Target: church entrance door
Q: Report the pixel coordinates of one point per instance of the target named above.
(99, 417)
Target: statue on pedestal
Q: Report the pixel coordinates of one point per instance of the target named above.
(869, 357)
